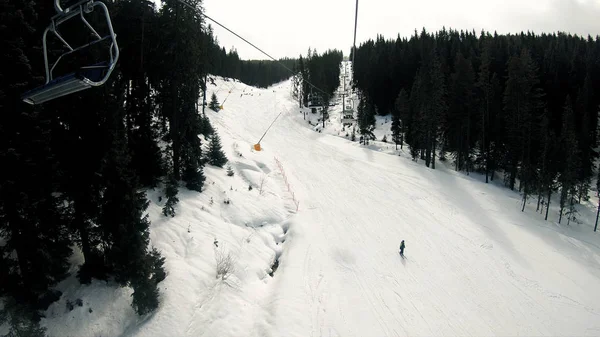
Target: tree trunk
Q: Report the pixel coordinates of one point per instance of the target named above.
(427, 150)
(433, 153)
(560, 214)
(401, 140)
(485, 147)
(83, 232)
(597, 213)
(571, 208)
(513, 176)
(548, 202)
(20, 245)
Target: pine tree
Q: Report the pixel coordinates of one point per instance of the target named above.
(461, 115)
(585, 138)
(571, 159)
(21, 320)
(366, 119)
(529, 125)
(415, 121)
(35, 240)
(230, 171)
(436, 108)
(485, 86)
(171, 191)
(216, 156)
(145, 281)
(205, 127)
(193, 176)
(514, 106)
(125, 228)
(399, 113)
(547, 171)
(214, 103)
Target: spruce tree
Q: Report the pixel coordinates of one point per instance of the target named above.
(21, 320)
(171, 191)
(414, 120)
(398, 115)
(214, 103)
(571, 160)
(484, 84)
(366, 119)
(514, 106)
(216, 156)
(436, 108)
(145, 281)
(461, 121)
(35, 242)
(205, 127)
(585, 139)
(193, 175)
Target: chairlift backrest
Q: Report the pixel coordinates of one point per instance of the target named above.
(84, 77)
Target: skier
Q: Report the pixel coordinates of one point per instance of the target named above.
(402, 248)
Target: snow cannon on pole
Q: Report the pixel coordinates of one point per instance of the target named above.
(257, 145)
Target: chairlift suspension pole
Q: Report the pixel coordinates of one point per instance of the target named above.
(354, 44)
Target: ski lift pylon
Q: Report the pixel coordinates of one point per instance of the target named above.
(84, 77)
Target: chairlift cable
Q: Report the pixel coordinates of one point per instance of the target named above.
(248, 42)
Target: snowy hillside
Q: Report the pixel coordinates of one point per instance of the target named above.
(475, 264)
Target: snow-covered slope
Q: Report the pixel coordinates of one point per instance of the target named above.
(475, 264)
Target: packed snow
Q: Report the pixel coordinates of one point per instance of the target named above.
(474, 265)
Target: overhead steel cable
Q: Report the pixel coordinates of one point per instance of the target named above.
(354, 44)
(250, 43)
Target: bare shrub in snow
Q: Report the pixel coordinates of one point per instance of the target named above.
(262, 183)
(225, 264)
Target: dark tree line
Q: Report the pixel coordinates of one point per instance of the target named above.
(75, 168)
(258, 73)
(525, 105)
(323, 71)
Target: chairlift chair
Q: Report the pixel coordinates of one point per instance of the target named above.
(84, 77)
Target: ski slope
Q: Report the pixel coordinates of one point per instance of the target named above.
(475, 264)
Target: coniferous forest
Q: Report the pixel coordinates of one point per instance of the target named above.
(322, 71)
(75, 168)
(522, 105)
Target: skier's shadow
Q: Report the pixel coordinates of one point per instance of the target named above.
(403, 259)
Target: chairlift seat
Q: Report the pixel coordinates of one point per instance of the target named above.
(82, 79)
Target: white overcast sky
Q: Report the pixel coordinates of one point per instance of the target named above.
(286, 28)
